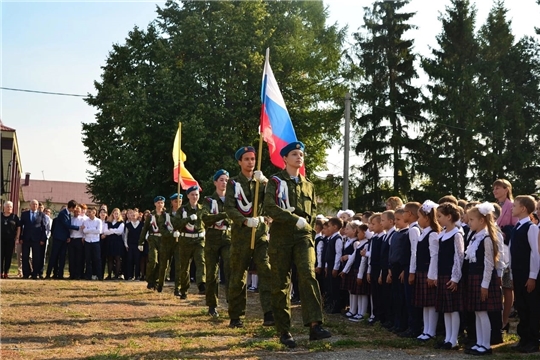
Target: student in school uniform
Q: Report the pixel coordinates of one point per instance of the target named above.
(525, 264)
(332, 264)
(414, 321)
(421, 262)
(385, 279)
(483, 292)
(114, 232)
(374, 269)
(321, 228)
(447, 275)
(350, 272)
(363, 288)
(348, 249)
(131, 241)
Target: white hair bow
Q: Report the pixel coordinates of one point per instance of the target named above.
(429, 205)
(485, 208)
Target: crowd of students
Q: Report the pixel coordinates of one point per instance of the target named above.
(451, 267)
(415, 267)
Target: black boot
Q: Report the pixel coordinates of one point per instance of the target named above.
(287, 340)
(269, 319)
(213, 312)
(202, 289)
(317, 333)
(236, 323)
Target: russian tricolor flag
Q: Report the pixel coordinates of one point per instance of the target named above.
(276, 126)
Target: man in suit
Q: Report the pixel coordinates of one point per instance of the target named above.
(61, 237)
(33, 224)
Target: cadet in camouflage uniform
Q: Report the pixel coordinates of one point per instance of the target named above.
(157, 228)
(168, 251)
(218, 239)
(188, 220)
(238, 205)
(291, 203)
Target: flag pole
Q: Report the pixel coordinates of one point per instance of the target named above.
(179, 166)
(259, 159)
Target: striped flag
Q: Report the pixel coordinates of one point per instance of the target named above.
(180, 172)
(276, 126)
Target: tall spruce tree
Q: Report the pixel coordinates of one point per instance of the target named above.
(384, 94)
(507, 124)
(201, 62)
(452, 103)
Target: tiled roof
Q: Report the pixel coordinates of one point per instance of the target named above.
(56, 191)
(4, 127)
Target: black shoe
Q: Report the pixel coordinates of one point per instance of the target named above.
(529, 348)
(440, 344)
(159, 289)
(448, 346)
(150, 286)
(213, 312)
(372, 321)
(287, 340)
(236, 323)
(318, 333)
(269, 319)
(183, 296)
(388, 325)
(202, 289)
(477, 352)
(176, 292)
(470, 350)
(295, 301)
(48, 277)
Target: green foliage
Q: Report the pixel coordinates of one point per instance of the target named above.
(384, 92)
(200, 63)
(452, 103)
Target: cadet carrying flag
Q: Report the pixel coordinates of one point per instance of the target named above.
(181, 174)
(276, 126)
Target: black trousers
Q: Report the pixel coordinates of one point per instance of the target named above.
(398, 298)
(376, 294)
(92, 256)
(57, 261)
(333, 291)
(133, 266)
(43, 249)
(528, 307)
(8, 245)
(76, 264)
(36, 256)
(387, 297)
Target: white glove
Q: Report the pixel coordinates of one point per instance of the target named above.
(290, 209)
(252, 222)
(301, 223)
(369, 235)
(193, 217)
(176, 233)
(140, 247)
(259, 176)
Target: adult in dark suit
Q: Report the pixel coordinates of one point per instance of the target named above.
(33, 235)
(61, 237)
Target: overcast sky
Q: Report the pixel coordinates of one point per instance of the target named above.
(60, 47)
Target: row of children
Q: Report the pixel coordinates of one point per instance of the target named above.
(425, 262)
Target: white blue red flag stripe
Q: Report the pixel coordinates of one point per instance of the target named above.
(276, 126)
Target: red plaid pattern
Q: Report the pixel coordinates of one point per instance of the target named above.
(448, 301)
(473, 300)
(423, 295)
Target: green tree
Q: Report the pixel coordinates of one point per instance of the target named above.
(384, 94)
(452, 103)
(200, 62)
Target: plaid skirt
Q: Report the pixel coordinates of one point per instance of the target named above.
(447, 300)
(364, 289)
(424, 296)
(473, 301)
(349, 281)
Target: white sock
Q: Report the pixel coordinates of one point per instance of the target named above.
(372, 313)
(455, 328)
(426, 321)
(363, 304)
(479, 329)
(433, 319)
(254, 280)
(354, 304)
(447, 326)
(485, 324)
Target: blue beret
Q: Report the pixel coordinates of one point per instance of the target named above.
(242, 151)
(297, 145)
(159, 198)
(219, 173)
(176, 196)
(192, 188)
